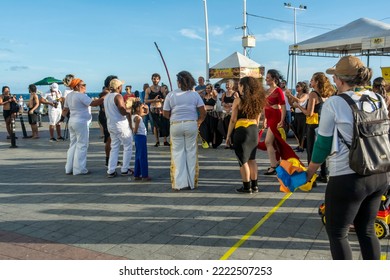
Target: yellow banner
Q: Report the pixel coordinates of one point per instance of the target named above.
(236, 72)
(386, 73)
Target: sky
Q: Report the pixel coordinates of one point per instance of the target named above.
(94, 39)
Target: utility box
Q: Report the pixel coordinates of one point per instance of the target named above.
(249, 42)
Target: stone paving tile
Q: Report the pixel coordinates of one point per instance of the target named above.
(93, 217)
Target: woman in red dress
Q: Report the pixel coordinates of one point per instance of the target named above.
(275, 113)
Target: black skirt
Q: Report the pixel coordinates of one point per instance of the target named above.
(245, 143)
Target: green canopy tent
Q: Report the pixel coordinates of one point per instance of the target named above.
(48, 81)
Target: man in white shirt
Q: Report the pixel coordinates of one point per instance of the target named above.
(118, 123)
(53, 99)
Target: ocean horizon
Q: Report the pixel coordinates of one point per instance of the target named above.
(26, 96)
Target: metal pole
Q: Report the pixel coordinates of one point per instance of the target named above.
(23, 126)
(244, 26)
(295, 80)
(13, 136)
(207, 40)
(294, 74)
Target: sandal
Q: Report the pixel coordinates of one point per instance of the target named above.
(271, 171)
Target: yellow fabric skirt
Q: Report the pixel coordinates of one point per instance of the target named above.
(245, 123)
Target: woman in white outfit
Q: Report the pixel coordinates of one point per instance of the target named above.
(186, 111)
(77, 103)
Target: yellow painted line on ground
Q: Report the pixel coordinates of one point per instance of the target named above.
(253, 229)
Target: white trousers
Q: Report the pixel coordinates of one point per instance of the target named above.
(54, 115)
(184, 154)
(124, 136)
(76, 161)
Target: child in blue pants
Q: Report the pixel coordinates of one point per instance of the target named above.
(141, 151)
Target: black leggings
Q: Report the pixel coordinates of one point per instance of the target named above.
(310, 140)
(353, 199)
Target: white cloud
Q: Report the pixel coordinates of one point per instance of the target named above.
(282, 35)
(190, 33)
(277, 34)
(217, 30)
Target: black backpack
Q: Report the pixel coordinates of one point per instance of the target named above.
(369, 152)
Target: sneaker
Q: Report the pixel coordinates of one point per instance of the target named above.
(255, 189)
(128, 172)
(157, 144)
(137, 178)
(61, 138)
(242, 190)
(112, 175)
(166, 144)
(53, 140)
(205, 145)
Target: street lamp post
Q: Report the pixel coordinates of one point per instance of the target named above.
(207, 40)
(294, 73)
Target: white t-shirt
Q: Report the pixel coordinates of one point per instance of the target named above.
(66, 92)
(53, 97)
(183, 105)
(141, 126)
(337, 115)
(78, 104)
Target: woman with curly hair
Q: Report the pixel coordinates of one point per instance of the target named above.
(246, 112)
(322, 89)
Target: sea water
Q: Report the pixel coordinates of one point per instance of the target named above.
(26, 96)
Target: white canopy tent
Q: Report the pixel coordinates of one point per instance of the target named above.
(362, 37)
(236, 66)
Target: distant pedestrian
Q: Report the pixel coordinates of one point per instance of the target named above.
(33, 110)
(53, 99)
(6, 100)
(155, 97)
(148, 118)
(21, 104)
(201, 87)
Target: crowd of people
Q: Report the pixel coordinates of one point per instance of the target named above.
(203, 111)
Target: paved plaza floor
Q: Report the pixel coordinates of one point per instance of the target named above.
(45, 214)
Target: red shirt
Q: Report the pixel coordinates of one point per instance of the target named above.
(127, 96)
(276, 97)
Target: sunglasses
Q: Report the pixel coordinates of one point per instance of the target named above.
(83, 85)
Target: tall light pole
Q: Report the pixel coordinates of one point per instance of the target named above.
(248, 41)
(207, 40)
(244, 31)
(294, 73)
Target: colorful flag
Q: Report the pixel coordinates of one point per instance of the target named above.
(292, 175)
